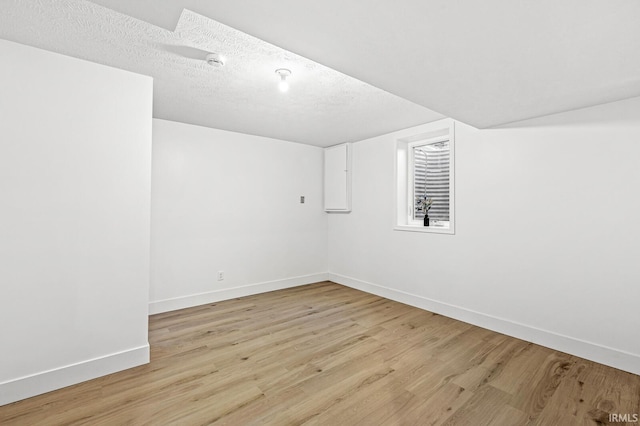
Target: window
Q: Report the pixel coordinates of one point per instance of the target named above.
(429, 174)
(425, 166)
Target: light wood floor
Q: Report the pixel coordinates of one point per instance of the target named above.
(329, 355)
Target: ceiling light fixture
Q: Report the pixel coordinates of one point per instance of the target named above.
(215, 60)
(284, 84)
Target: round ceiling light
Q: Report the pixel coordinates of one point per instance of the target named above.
(284, 84)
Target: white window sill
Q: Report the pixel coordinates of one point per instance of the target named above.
(429, 229)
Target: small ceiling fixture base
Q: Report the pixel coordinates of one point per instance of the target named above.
(284, 84)
(215, 60)
(283, 72)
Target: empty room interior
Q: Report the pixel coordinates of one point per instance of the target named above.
(337, 212)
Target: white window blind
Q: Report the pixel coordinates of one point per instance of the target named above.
(431, 168)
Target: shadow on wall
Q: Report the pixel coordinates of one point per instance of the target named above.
(186, 51)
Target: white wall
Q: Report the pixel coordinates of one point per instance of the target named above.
(75, 167)
(225, 201)
(547, 237)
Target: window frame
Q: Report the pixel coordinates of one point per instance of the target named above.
(443, 130)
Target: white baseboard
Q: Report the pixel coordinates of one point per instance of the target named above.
(191, 300)
(592, 351)
(47, 381)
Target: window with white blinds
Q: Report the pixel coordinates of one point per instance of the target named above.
(431, 165)
(425, 179)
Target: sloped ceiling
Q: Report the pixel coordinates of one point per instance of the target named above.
(323, 107)
(485, 63)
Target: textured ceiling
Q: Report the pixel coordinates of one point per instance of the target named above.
(323, 107)
(484, 62)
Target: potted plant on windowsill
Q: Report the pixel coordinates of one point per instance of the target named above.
(424, 205)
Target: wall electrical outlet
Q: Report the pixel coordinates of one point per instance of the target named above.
(302, 199)
(220, 275)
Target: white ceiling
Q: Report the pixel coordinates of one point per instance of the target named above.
(485, 63)
(323, 107)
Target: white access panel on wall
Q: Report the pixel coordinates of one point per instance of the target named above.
(337, 178)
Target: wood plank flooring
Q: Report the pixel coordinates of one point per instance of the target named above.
(324, 354)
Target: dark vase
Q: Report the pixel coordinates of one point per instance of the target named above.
(426, 220)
